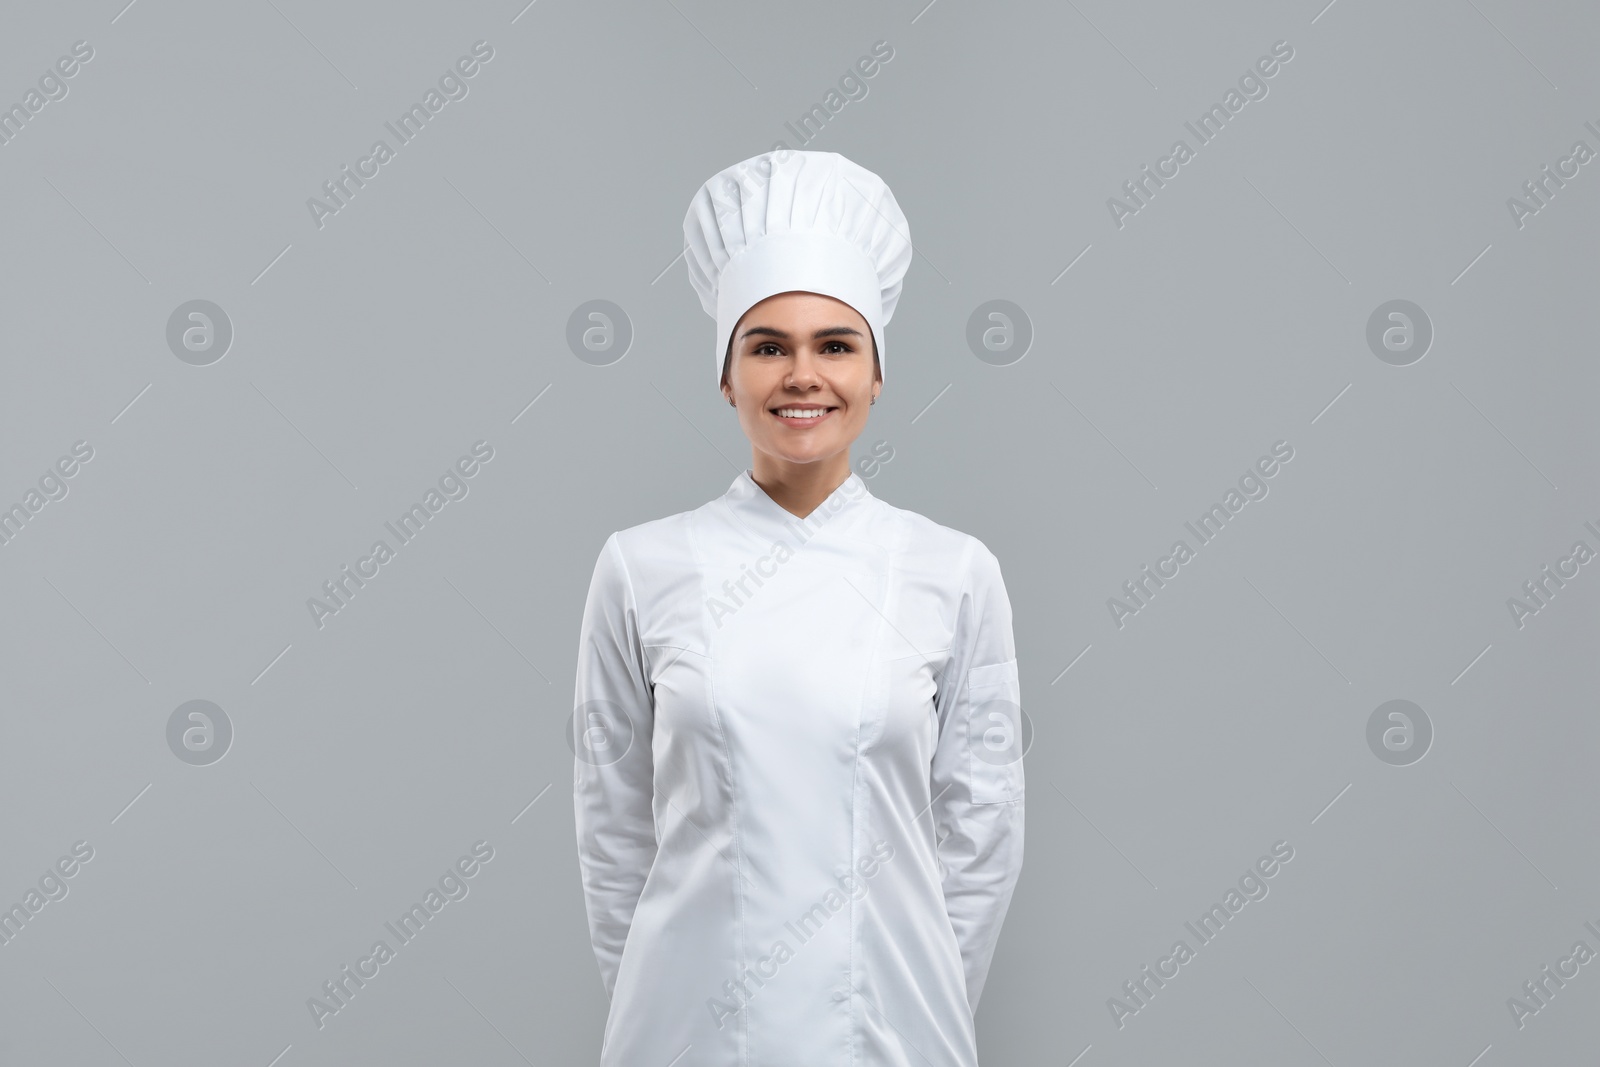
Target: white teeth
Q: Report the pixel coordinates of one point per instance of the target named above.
(802, 413)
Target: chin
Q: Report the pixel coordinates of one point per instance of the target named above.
(808, 455)
(802, 457)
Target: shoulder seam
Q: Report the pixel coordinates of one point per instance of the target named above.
(627, 577)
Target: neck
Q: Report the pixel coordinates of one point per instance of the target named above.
(799, 487)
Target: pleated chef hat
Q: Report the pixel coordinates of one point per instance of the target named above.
(790, 220)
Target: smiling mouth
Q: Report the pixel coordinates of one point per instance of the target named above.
(802, 416)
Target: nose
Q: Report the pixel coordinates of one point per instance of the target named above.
(803, 371)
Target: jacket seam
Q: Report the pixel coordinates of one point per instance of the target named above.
(733, 804)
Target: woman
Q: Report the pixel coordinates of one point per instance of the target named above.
(798, 788)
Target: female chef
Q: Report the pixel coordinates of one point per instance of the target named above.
(798, 786)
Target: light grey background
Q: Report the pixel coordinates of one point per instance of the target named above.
(430, 312)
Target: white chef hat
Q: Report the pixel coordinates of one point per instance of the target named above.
(796, 221)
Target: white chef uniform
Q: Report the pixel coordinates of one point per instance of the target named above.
(798, 783)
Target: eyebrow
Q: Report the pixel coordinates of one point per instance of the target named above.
(831, 331)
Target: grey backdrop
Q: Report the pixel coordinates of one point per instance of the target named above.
(1145, 365)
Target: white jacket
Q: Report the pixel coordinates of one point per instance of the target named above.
(798, 787)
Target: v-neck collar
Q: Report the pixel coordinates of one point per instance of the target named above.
(757, 511)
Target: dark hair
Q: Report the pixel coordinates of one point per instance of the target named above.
(727, 360)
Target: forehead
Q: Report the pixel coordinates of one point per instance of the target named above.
(803, 307)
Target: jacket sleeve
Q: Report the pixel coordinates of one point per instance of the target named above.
(976, 780)
(613, 770)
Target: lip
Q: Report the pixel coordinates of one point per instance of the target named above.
(807, 422)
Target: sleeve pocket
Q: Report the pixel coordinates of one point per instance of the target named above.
(995, 733)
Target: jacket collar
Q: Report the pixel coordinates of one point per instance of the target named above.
(764, 516)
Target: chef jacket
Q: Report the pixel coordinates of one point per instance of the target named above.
(798, 788)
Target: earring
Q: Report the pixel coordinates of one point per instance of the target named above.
(874, 400)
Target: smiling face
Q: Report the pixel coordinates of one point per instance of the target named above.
(802, 373)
